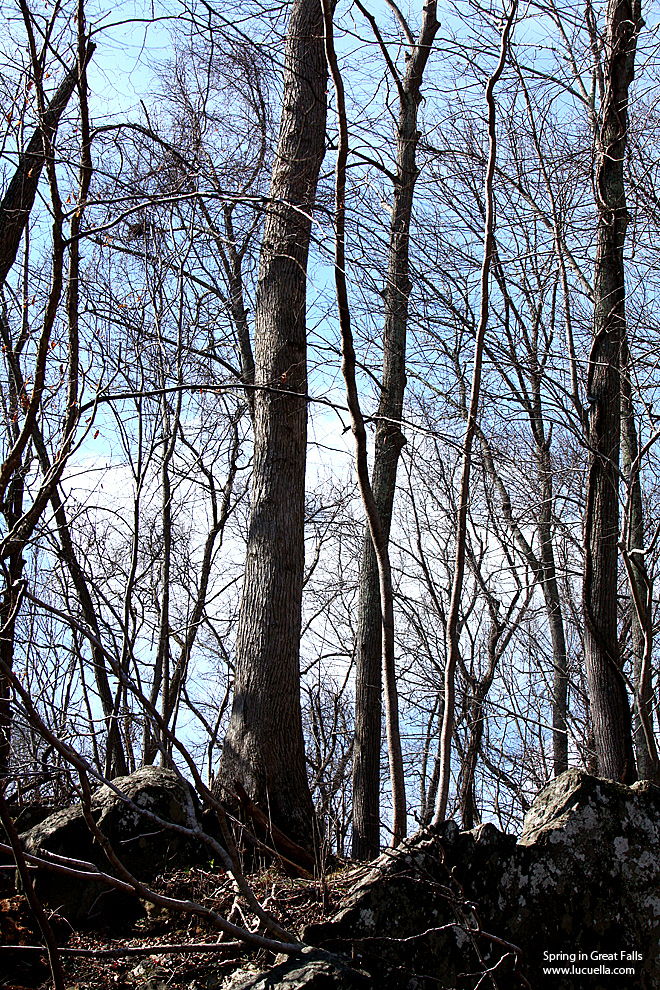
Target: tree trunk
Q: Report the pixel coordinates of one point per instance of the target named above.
(388, 445)
(264, 746)
(555, 619)
(8, 609)
(368, 709)
(610, 709)
(467, 800)
(641, 625)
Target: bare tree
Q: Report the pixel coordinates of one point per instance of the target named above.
(607, 688)
(464, 491)
(21, 518)
(264, 747)
(389, 438)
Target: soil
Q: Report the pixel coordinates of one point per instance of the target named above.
(294, 903)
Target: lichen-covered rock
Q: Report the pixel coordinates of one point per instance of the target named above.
(313, 969)
(590, 851)
(408, 922)
(578, 892)
(144, 847)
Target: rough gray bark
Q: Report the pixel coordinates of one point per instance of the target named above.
(610, 709)
(264, 746)
(388, 444)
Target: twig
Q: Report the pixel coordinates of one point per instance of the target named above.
(130, 950)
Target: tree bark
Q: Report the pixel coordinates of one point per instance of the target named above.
(610, 708)
(388, 444)
(264, 746)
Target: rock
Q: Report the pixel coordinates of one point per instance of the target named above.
(24, 817)
(145, 848)
(582, 885)
(29, 815)
(313, 969)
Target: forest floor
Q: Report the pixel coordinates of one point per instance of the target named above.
(294, 903)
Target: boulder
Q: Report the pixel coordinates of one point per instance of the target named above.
(145, 848)
(313, 969)
(578, 892)
(29, 815)
(24, 817)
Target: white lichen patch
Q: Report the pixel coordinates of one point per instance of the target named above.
(367, 917)
(647, 861)
(620, 845)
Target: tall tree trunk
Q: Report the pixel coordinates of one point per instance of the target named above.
(610, 709)
(641, 625)
(348, 365)
(264, 746)
(388, 445)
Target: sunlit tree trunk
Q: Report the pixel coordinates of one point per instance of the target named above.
(264, 746)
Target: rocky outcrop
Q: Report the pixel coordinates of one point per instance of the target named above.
(578, 892)
(144, 847)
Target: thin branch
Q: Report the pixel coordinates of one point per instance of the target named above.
(464, 493)
(397, 777)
